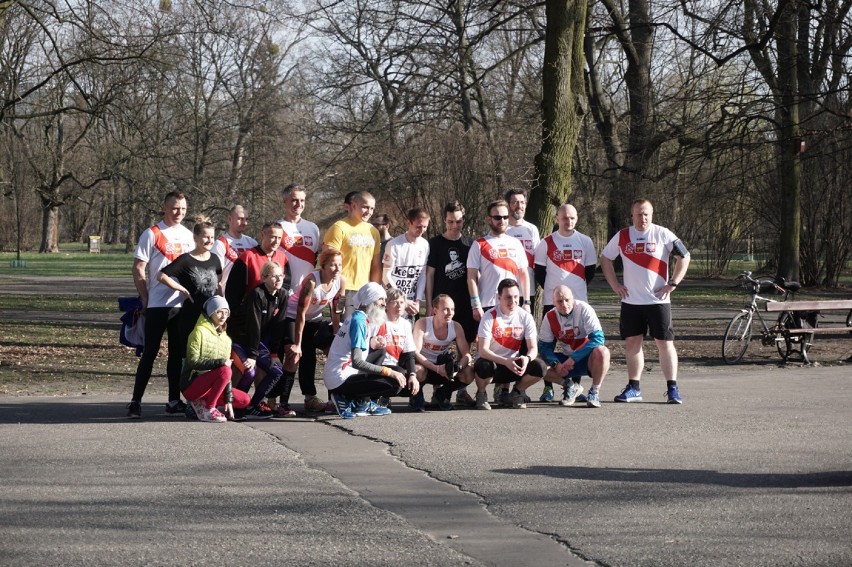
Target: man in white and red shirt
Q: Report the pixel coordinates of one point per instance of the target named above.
(526, 232)
(565, 257)
(493, 258)
(646, 250)
(301, 239)
(576, 327)
(502, 332)
(158, 247)
(404, 262)
(233, 243)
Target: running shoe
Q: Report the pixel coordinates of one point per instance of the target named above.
(342, 406)
(134, 410)
(361, 407)
(417, 402)
(570, 393)
(443, 404)
(517, 399)
(464, 399)
(283, 411)
(384, 401)
(314, 404)
(593, 400)
(211, 415)
(196, 407)
(257, 412)
(506, 398)
(673, 395)
(630, 394)
(376, 409)
(330, 407)
(482, 401)
(498, 389)
(581, 399)
(175, 407)
(547, 395)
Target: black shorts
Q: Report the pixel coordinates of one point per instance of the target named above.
(502, 375)
(639, 319)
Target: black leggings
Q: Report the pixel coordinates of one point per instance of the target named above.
(157, 322)
(316, 335)
(368, 386)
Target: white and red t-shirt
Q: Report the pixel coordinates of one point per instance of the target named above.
(565, 258)
(407, 263)
(646, 261)
(319, 298)
(507, 332)
(160, 245)
(496, 258)
(528, 234)
(229, 249)
(398, 339)
(571, 330)
(300, 243)
(433, 347)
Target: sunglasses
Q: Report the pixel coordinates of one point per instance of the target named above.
(500, 217)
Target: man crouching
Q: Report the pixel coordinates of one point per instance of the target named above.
(352, 381)
(575, 325)
(503, 331)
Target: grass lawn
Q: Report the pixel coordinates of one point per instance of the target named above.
(72, 261)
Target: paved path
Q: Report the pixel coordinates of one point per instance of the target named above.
(754, 469)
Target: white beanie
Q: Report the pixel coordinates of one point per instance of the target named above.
(370, 293)
(214, 304)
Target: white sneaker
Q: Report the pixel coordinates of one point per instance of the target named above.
(482, 401)
(570, 393)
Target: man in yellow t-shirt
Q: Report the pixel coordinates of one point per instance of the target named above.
(359, 242)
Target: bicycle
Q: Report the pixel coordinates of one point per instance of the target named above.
(739, 331)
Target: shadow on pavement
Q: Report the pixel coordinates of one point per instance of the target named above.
(62, 411)
(686, 476)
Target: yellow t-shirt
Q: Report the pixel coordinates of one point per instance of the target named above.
(359, 242)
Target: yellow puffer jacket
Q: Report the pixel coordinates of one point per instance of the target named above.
(206, 349)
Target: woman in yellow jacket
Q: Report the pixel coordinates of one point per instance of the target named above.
(206, 377)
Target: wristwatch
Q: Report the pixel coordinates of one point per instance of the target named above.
(672, 283)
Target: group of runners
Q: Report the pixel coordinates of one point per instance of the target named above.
(394, 314)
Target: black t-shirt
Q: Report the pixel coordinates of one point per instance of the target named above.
(449, 258)
(199, 277)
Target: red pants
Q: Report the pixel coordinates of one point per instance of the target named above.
(210, 387)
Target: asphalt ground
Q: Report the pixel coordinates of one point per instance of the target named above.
(755, 468)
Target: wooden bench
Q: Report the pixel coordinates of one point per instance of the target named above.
(799, 338)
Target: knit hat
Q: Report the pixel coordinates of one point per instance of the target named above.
(370, 293)
(214, 304)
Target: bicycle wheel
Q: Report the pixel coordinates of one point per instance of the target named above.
(784, 341)
(737, 337)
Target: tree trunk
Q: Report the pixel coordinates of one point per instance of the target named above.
(789, 162)
(49, 227)
(561, 107)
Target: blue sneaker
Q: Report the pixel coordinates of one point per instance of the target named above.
(547, 395)
(673, 396)
(342, 405)
(582, 399)
(361, 407)
(593, 400)
(629, 394)
(375, 409)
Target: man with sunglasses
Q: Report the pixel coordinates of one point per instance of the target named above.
(493, 258)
